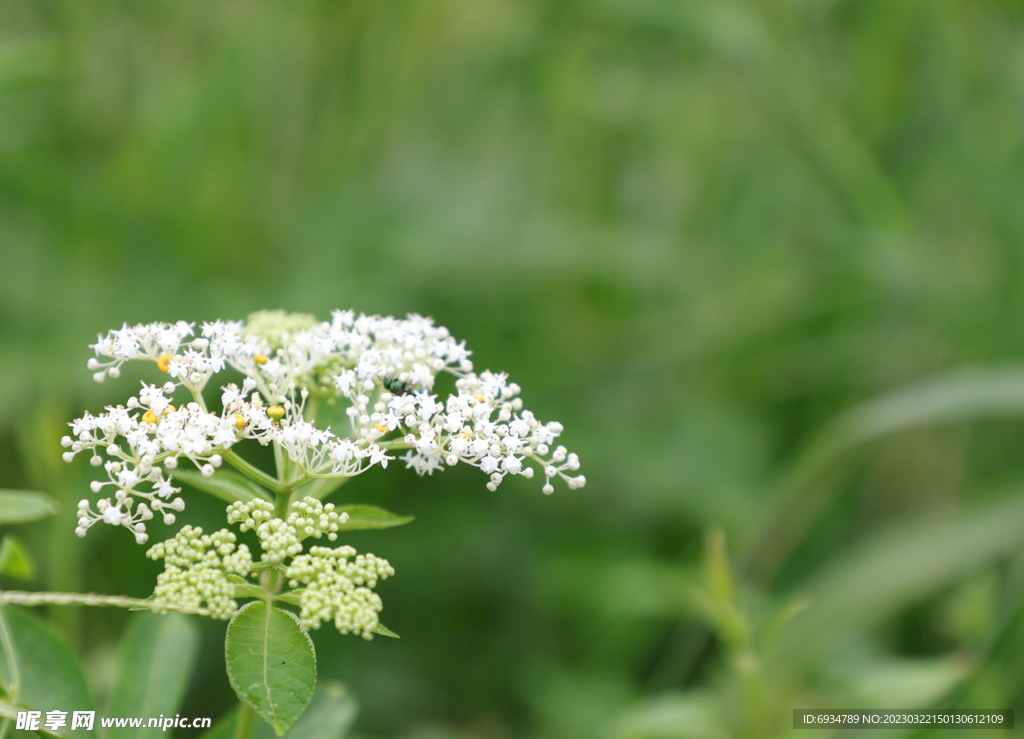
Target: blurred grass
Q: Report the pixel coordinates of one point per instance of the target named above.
(695, 233)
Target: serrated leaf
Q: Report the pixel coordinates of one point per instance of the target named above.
(292, 596)
(15, 560)
(385, 631)
(157, 658)
(330, 715)
(51, 676)
(370, 517)
(271, 663)
(25, 506)
(223, 484)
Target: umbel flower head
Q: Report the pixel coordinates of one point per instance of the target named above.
(383, 370)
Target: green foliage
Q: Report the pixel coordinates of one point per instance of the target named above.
(19, 506)
(330, 715)
(270, 663)
(15, 561)
(671, 716)
(39, 672)
(371, 517)
(743, 251)
(158, 655)
(226, 485)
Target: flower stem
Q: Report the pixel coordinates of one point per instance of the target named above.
(251, 471)
(284, 497)
(13, 670)
(245, 723)
(24, 598)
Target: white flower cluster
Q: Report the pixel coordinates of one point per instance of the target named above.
(158, 433)
(383, 368)
(193, 576)
(283, 538)
(339, 587)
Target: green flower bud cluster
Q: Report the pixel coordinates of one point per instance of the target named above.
(339, 589)
(196, 566)
(251, 514)
(310, 517)
(338, 582)
(280, 539)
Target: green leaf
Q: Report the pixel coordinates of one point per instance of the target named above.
(910, 682)
(321, 487)
(370, 517)
(244, 588)
(15, 560)
(224, 484)
(24, 506)
(330, 716)
(51, 676)
(902, 566)
(958, 397)
(10, 711)
(688, 715)
(157, 657)
(271, 663)
(291, 596)
(385, 631)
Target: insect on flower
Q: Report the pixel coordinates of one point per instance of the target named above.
(394, 385)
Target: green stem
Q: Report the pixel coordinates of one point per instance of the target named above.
(13, 670)
(198, 397)
(251, 471)
(24, 598)
(284, 498)
(245, 723)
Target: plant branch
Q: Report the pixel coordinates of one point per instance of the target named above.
(13, 670)
(251, 471)
(24, 598)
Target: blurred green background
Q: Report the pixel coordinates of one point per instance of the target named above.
(696, 233)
